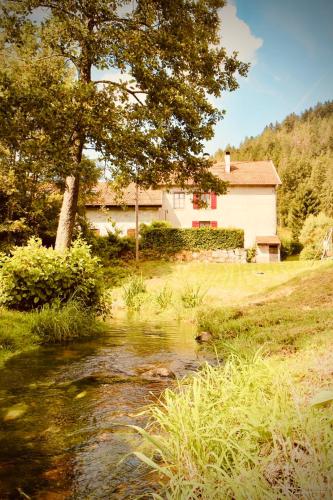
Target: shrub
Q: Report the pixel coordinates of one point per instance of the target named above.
(251, 254)
(170, 240)
(55, 324)
(34, 276)
(134, 292)
(112, 247)
(312, 235)
(192, 296)
(290, 247)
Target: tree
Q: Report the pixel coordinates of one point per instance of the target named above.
(305, 204)
(30, 139)
(150, 116)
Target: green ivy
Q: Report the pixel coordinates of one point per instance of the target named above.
(35, 275)
(169, 240)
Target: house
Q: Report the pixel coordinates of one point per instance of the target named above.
(250, 204)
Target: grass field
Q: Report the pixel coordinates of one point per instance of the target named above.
(259, 425)
(221, 284)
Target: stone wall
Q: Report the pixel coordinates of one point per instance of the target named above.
(237, 255)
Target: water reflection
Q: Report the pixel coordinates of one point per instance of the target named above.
(72, 439)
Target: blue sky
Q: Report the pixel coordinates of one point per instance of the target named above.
(290, 46)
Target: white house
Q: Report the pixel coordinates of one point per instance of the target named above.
(250, 204)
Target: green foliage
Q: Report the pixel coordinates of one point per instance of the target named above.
(134, 293)
(169, 240)
(312, 235)
(289, 247)
(192, 296)
(251, 254)
(301, 148)
(304, 204)
(151, 124)
(34, 276)
(164, 297)
(55, 323)
(214, 319)
(112, 246)
(241, 420)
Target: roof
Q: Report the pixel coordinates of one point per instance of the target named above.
(105, 196)
(242, 173)
(268, 240)
(248, 173)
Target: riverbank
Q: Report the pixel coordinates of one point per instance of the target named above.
(24, 331)
(263, 416)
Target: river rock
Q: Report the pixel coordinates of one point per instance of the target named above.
(159, 372)
(204, 337)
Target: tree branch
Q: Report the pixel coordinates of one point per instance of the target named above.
(123, 87)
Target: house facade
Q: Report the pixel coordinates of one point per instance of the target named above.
(250, 204)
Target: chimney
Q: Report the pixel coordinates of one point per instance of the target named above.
(227, 162)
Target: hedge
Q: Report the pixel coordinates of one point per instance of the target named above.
(170, 240)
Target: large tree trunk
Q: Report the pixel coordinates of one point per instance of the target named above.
(68, 213)
(70, 200)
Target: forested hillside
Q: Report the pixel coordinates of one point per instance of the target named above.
(301, 148)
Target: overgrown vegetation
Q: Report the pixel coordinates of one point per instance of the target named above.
(56, 324)
(170, 240)
(33, 276)
(313, 234)
(265, 414)
(52, 324)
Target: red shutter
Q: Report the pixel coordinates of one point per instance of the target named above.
(195, 223)
(213, 223)
(195, 200)
(213, 200)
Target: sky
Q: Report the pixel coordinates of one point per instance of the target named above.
(289, 44)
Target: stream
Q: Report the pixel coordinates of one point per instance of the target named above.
(65, 412)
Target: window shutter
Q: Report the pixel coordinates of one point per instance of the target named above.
(195, 200)
(195, 223)
(213, 223)
(213, 200)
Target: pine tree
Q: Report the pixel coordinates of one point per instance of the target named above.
(306, 203)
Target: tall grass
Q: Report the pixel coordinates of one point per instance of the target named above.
(192, 296)
(164, 297)
(237, 433)
(134, 292)
(56, 323)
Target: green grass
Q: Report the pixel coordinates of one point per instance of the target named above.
(247, 429)
(224, 284)
(21, 331)
(15, 334)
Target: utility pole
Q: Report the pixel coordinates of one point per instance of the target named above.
(136, 222)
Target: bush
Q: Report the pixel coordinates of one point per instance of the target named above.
(112, 247)
(290, 247)
(34, 276)
(312, 235)
(55, 324)
(170, 240)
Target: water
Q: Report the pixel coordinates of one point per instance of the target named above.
(65, 412)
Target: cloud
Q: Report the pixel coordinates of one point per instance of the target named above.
(236, 35)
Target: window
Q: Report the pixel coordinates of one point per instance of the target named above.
(204, 223)
(205, 198)
(178, 200)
